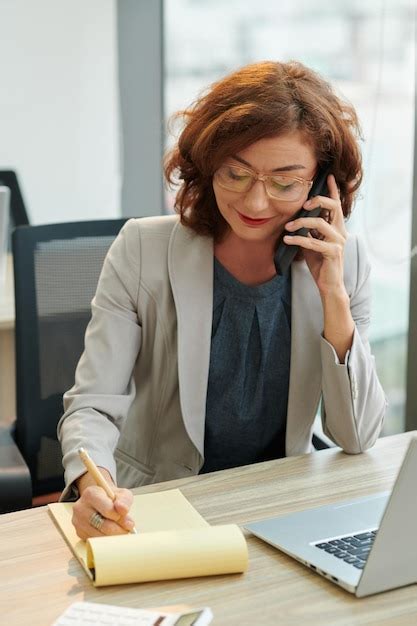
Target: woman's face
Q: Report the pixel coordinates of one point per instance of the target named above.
(253, 215)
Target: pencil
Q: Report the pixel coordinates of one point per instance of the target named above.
(98, 477)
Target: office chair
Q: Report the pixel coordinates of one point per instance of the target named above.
(319, 443)
(56, 269)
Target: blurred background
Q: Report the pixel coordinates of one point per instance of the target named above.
(87, 89)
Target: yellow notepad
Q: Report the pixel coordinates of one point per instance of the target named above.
(173, 541)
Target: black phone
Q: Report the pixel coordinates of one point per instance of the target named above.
(284, 255)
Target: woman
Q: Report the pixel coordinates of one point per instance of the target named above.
(198, 355)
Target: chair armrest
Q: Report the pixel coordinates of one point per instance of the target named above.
(15, 480)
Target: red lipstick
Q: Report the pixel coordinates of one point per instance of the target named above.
(249, 221)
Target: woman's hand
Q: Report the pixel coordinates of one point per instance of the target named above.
(324, 255)
(93, 500)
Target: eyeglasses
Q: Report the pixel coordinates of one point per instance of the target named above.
(240, 179)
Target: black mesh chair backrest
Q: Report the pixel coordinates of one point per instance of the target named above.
(56, 270)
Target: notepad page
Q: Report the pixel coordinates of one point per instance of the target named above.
(166, 555)
(152, 512)
(173, 541)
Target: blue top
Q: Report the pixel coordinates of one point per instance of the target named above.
(247, 395)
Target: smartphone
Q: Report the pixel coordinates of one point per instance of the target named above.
(284, 254)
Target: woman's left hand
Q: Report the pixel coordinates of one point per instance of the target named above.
(324, 255)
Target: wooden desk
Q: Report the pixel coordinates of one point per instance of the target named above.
(7, 353)
(39, 577)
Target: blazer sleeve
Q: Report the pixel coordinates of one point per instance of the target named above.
(354, 402)
(96, 406)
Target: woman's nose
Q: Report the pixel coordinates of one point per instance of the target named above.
(256, 199)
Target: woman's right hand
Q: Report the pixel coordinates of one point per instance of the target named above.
(93, 500)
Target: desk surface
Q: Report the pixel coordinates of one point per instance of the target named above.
(39, 577)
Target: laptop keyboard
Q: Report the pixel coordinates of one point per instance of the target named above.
(352, 549)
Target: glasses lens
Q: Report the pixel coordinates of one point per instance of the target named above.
(233, 178)
(285, 188)
(239, 179)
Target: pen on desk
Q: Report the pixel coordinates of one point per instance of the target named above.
(98, 477)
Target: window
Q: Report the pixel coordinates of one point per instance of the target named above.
(367, 51)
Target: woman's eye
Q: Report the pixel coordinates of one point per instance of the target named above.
(236, 175)
(283, 185)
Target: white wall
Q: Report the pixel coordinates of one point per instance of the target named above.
(59, 122)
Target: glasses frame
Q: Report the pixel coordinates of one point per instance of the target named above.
(263, 178)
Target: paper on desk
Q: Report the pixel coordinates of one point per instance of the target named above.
(89, 613)
(173, 541)
(164, 510)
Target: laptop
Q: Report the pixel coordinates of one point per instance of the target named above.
(366, 546)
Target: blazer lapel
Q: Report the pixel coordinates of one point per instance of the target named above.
(190, 266)
(305, 369)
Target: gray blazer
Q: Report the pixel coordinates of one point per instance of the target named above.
(140, 390)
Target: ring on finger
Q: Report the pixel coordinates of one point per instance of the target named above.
(96, 520)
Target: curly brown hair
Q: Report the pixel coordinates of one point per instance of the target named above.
(261, 100)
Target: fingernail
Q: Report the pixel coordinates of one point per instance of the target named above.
(287, 238)
(308, 203)
(289, 224)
